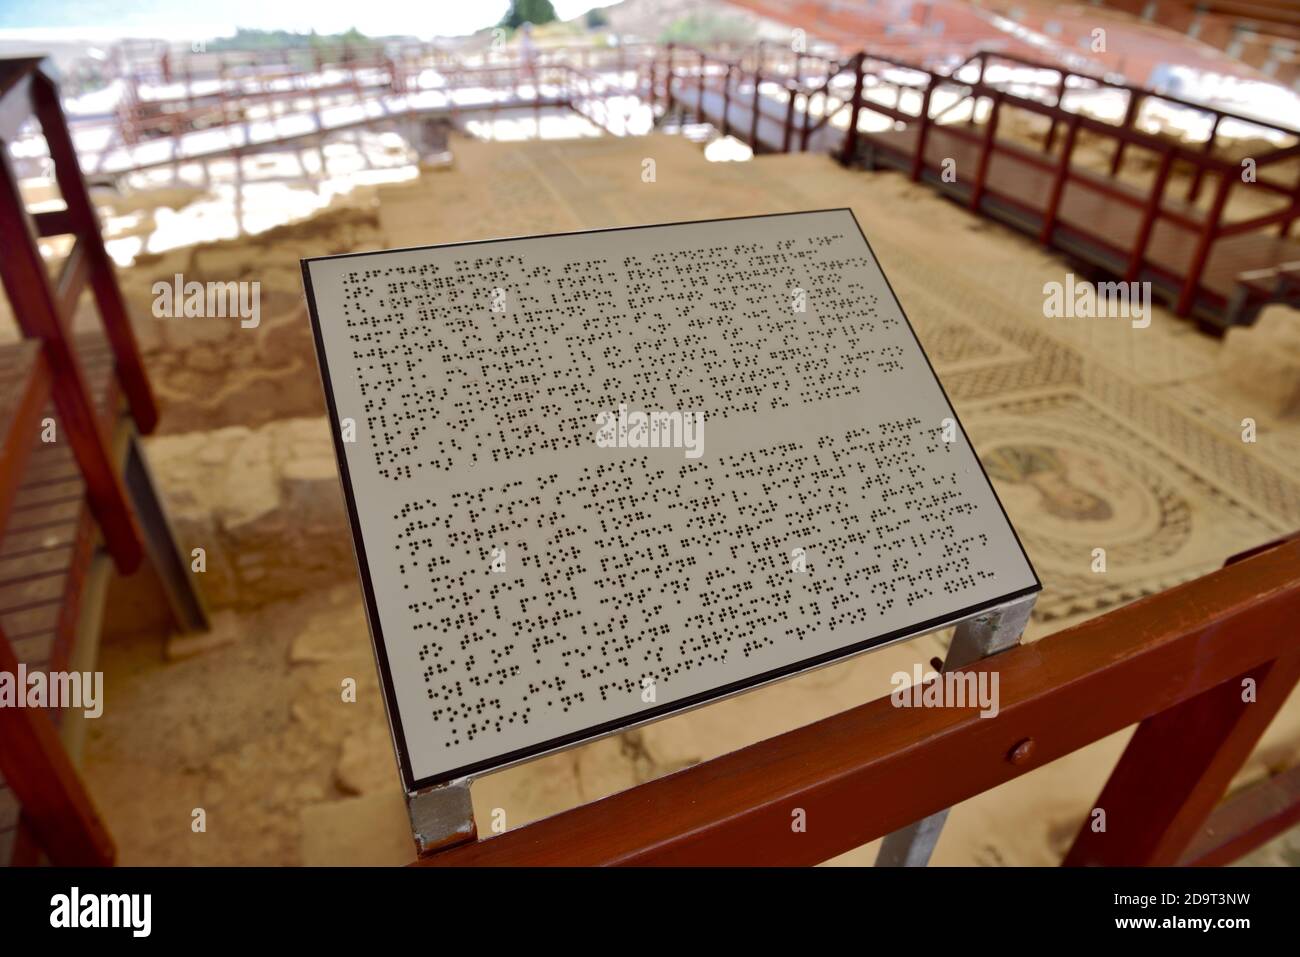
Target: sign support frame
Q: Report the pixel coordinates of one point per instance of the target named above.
(976, 639)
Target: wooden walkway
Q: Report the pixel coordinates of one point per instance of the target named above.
(734, 115)
(307, 128)
(1090, 224)
(1217, 271)
(48, 542)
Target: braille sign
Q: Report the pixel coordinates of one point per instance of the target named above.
(597, 478)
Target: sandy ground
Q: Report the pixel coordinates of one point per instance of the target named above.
(248, 723)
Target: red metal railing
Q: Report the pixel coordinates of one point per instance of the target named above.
(781, 100)
(219, 95)
(856, 86)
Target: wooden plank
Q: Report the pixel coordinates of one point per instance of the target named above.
(49, 466)
(72, 281)
(20, 544)
(55, 490)
(31, 591)
(30, 621)
(20, 413)
(45, 516)
(45, 562)
(83, 551)
(865, 772)
(35, 650)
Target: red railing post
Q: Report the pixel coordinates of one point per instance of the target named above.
(1187, 296)
(1051, 130)
(1149, 216)
(986, 151)
(699, 101)
(534, 72)
(668, 81)
(1130, 114)
(791, 90)
(982, 59)
(112, 308)
(1194, 187)
(726, 99)
(1059, 180)
(923, 131)
(850, 151)
(807, 118)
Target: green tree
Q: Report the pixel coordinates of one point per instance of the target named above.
(535, 12)
(707, 27)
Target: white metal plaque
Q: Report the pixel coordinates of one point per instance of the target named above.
(596, 478)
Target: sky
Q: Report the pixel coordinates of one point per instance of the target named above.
(193, 19)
